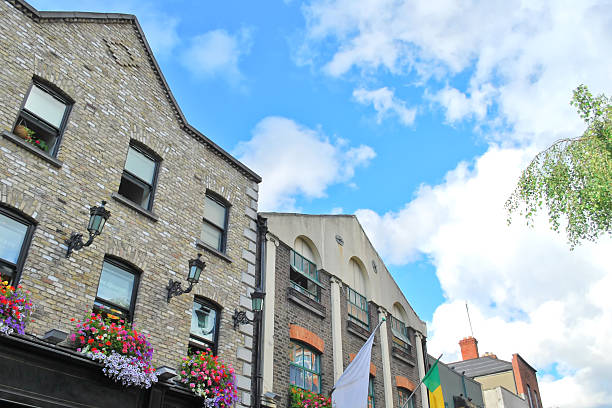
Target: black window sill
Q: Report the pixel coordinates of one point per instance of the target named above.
(208, 248)
(307, 303)
(402, 355)
(357, 330)
(34, 150)
(149, 214)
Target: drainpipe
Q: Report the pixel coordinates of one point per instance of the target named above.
(262, 230)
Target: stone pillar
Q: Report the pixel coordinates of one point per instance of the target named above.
(336, 327)
(421, 366)
(268, 316)
(386, 358)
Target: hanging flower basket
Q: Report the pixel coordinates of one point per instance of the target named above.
(300, 398)
(15, 309)
(125, 353)
(209, 377)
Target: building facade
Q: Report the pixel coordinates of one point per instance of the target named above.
(458, 390)
(326, 289)
(107, 128)
(504, 383)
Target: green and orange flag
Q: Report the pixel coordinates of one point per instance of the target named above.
(432, 382)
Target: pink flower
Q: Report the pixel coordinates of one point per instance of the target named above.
(192, 385)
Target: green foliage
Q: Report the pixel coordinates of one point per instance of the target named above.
(572, 179)
(300, 398)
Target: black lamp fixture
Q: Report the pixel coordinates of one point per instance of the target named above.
(240, 316)
(196, 266)
(97, 219)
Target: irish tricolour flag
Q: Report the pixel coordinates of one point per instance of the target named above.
(432, 382)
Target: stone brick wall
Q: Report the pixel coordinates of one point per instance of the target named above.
(288, 312)
(404, 364)
(116, 101)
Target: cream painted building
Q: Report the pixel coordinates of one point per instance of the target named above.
(326, 289)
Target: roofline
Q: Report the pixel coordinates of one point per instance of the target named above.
(72, 16)
(525, 361)
(369, 242)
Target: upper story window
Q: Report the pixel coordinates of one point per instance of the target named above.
(44, 114)
(139, 176)
(371, 400)
(15, 236)
(358, 308)
(401, 335)
(117, 289)
(529, 395)
(304, 276)
(214, 228)
(305, 367)
(403, 398)
(204, 332)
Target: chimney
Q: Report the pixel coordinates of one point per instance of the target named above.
(469, 348)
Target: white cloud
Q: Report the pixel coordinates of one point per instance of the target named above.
(521, 59)
(294, 160)
(385, 103)
(217, 53)
(337, 210)
(528, 293)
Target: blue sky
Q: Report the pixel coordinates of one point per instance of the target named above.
(417, 117)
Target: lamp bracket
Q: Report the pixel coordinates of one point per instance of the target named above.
(75, 242)
(240, 317)
(175, 289)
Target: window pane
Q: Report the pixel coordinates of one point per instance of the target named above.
(316, 385)
(12, 234)
(45, 106)
(203, 321)
(308, 381)
(214, 212)
(140, 165)
(307, 359)
(135, 191)
(211, 236)
(296, 376)
(116, 285)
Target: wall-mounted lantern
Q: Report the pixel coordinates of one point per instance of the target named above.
(240, 317)
(196, 266)
(97, 219)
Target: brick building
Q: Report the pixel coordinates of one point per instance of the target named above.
(504, 383)
(110, 130)
(326, 289)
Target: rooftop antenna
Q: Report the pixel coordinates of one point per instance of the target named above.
(467, 309)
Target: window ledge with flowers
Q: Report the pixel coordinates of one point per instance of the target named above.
(15, 309)
(300, 398)
(126, 354)
(32, 148)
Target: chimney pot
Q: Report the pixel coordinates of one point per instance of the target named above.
(469, 348)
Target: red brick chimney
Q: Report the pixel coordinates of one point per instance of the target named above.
(469, 348)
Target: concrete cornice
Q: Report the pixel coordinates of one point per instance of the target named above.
(79, 16)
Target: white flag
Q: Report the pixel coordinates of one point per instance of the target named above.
(351, 390)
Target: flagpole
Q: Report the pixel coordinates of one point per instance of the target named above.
(420, 383)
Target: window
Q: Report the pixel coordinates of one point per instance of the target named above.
(305, 368)
(358, 308)
(401, 336)
(139, 176)
(304, 276)
(529, 395)
(204, 326)
(371, 403)
(117, 290)
(214, 229)
(403, 398)
(15, 235)
(45, 113)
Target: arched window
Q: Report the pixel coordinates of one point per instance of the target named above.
(357, 301)
(44, 114)
(371, 399)
(204, 332)
(116, 296)
(304, 275)
(403, 395)
(139, 178)
(305, 367)
(15, 235)
(401, 335)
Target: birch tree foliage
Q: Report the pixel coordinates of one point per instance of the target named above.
(572, 179)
